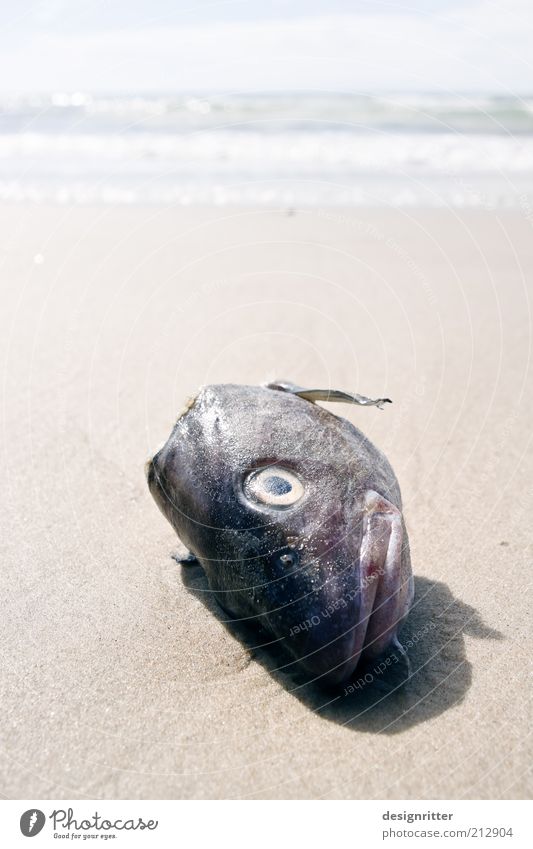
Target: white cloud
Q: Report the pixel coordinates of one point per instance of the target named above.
(485, 46)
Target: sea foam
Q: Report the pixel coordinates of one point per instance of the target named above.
(305, 149)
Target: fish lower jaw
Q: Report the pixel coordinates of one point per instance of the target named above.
(330, 668)
(342, 674)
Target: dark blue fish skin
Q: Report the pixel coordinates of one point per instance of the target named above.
(329, 576)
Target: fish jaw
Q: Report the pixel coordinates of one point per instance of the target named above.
(382, 554)
(365, 619)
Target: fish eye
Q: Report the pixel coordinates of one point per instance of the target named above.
(274, 486)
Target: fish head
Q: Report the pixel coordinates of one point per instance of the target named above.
(282, 503)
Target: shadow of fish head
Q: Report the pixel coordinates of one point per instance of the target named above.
(296, 519)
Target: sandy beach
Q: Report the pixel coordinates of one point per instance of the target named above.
(120, 679)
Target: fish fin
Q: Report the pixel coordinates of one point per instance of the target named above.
(328, 395)
(188, 559)
(283, 386)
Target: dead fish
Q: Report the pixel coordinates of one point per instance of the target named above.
(295, 517)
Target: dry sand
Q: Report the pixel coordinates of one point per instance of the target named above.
(118, 682)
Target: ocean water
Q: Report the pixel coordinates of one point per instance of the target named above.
(279, 150)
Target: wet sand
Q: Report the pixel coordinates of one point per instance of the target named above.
(120, 678)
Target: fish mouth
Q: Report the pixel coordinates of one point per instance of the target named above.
(378, 605)
(150, 464)
(149, 470)
(381, 567)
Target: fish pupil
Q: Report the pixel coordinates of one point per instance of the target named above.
(277, 486)
(288, 559)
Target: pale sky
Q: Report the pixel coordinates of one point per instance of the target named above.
(274, 45)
